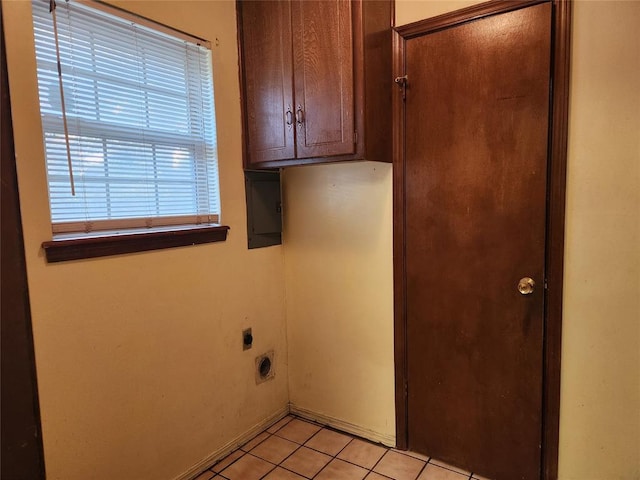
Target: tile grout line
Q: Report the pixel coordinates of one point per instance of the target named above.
(423, 467)
(244, 453)
(337, 430)
(426, 462)
(301, 445)
(370, 470)
(239, 449)
(320, 471)
(267, 473)
(281, 427)
(335, 457)
(343, 448)
(314, 450)
(295, 473)
(289, 456)
(379, 460)
(220, 472)
(451, 470)
(269, 435)
(381, 474)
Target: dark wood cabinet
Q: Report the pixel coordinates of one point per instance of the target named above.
(316, 81)
(267, 67)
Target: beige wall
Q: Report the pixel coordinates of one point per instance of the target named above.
(140, 364)
(600, 407)
(338, 247)
(339, 288)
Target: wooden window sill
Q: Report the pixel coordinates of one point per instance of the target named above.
(102, 244)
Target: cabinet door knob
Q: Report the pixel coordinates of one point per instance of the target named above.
(299, 116)
(289, 116)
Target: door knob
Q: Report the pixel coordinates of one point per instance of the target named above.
(526, 286)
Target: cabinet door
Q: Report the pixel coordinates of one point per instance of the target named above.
(268, 80)
(323, 65)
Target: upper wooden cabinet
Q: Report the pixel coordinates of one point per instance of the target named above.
(316, 81)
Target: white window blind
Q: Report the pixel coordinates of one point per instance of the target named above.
(140, 120)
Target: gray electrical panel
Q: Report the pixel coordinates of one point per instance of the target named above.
(264, 208)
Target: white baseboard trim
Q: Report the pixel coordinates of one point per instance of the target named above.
(233, 444)
(388, 440)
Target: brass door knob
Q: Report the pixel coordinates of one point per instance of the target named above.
(526, 286)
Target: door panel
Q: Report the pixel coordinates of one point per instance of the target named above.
(323, 58)
(476, 134)
(268, 63)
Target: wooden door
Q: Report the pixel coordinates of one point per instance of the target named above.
(475, 189)
(268, 80)
(21, 439)
(323, 65)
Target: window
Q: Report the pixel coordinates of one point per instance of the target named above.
(129, 126)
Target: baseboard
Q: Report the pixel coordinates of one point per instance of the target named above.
(388, 440)
(233, 444)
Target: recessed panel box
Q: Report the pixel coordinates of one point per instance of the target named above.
(264, 208)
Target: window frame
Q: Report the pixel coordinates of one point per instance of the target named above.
(107, 243)
(123, 239)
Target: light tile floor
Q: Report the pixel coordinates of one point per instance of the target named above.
(297, 449)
